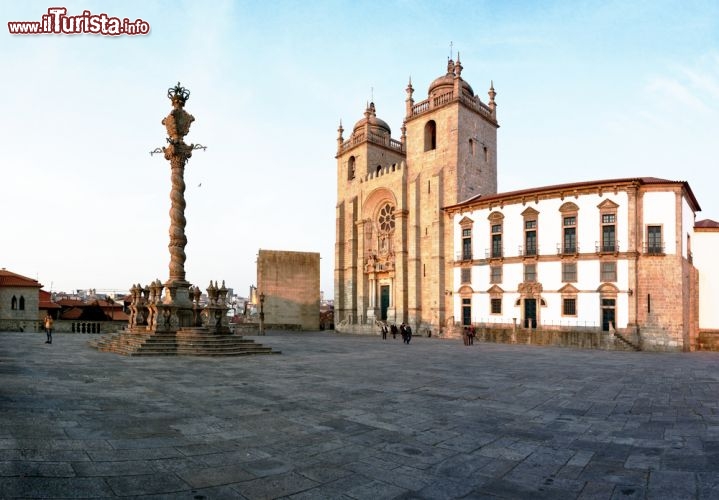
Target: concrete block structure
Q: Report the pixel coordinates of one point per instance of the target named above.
(290, 284)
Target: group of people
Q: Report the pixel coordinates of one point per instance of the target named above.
(404, 329)
(468, 335)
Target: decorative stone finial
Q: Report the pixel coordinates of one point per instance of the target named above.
(450, 67)
(457, 67)
(178, 95)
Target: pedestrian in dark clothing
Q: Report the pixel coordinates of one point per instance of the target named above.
(384, 331)
(408, 330)
(472, 334)
(465, 335)
(393, 329)
(403, 332)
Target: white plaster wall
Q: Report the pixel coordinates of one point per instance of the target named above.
(705, 247)
(659, 209)
(549, 231)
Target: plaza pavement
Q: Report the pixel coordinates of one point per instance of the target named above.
(338, 416)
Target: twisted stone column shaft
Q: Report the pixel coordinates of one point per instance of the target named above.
(178, 156)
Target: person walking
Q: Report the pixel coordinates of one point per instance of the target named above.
(408, 333)
(384, 331)
(48, 328)
(393, 329)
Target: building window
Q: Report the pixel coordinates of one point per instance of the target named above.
(430, 135)
(654, 240)
(495, 274)
(530, 237)
(22, 303)
(466, 312)
(386, 218)
(466, 244)
(496, 241)
(569, 229)
(496, 306)
(530, 273)
(569, 307)
(351, 168)
(486, 154)
(609, 239)
(608, 271)
(569, 272)
(466, 274)
(13, 303)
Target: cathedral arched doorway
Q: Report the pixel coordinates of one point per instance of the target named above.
(383, 301)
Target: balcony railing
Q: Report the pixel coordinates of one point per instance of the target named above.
(607, 247)
(493, 253)
(653, 248)
(528, 251)
(463, 255)
(567, 249)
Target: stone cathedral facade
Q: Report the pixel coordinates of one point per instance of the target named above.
(394, 242)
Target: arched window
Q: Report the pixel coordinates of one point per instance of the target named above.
(13, 303)
(379, 169)
(22, 303)
(351, 168)
(430, 135)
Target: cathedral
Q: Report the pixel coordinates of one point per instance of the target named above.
(424, 238)
(394, 242)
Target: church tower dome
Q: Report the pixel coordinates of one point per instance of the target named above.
(376, 125)
(445, 83)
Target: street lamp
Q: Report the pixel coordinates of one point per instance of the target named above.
(262, 314)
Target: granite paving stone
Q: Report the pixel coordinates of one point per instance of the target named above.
(352, 417)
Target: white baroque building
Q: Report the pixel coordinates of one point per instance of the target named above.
(622, 255)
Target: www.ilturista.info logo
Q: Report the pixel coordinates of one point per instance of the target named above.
(57, 22)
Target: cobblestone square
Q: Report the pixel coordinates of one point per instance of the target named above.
(339, 416)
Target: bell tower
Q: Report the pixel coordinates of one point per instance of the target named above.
(394, 247)
(369, 261)
(452, 156)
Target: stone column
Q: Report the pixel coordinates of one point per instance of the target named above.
(177, 153)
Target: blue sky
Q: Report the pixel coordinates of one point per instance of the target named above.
(585, 90)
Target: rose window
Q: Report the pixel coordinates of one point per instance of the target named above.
(386, 219)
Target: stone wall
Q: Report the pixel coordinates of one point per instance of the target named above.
(708, 340)
(666, 319)
(290, 282)
(17, 320)
(582, 339)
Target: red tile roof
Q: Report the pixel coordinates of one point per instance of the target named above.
(577, 185)
(70, 302)
(46, 301)
(8, 278)
(706, 223)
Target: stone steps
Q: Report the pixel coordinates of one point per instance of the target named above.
(190, 342)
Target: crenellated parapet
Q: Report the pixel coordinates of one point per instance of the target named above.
(396, 169)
